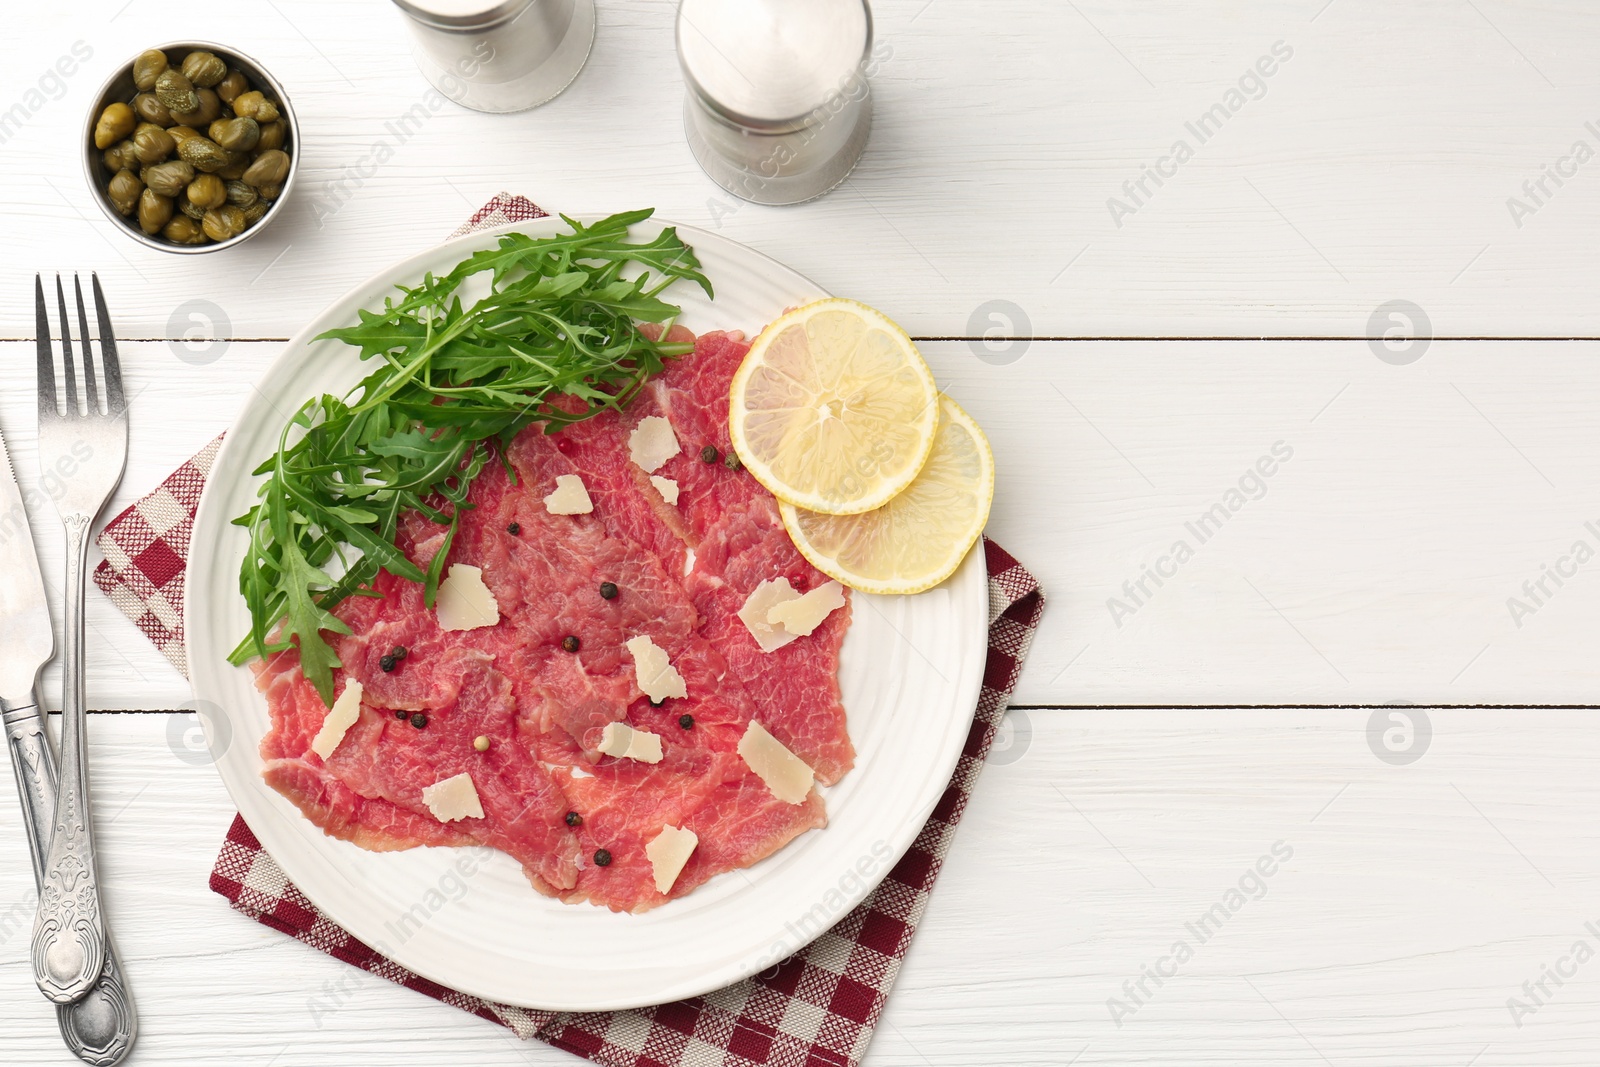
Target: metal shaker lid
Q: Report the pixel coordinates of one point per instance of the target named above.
(771, 62)
(463, 15)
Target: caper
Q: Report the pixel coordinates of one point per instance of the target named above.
(255, 211)
(204, 115)
(272, 135)
(116, 122)
(190, 208)
(147, 68)
(270, 192)
(152, 144)
(203, 154)
(270, 168)
(236, 135)
(230, 87)
(124, 191)
(120, 156)
(169, 178)
(181, 134)
(176, 92)
(184, 231)
(255, 105)
(155, 211)
(238, 163)
(149, 109)
(208, 191)
(222, 223)
(203, 68)
(241, 194)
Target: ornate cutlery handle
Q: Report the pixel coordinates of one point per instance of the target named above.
(100, 1028)
(69, 935)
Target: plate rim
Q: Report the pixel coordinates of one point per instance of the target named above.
(899, 839)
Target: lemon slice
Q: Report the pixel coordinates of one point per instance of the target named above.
(919, 538)
(833, 408)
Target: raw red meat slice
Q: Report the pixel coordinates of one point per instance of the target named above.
(373, 824)
(682, 572)
(798, 683)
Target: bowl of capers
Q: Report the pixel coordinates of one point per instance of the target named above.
(191, 147)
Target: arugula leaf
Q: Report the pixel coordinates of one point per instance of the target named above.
(450, 386)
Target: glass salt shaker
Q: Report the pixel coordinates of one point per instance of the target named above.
(778, 107)
(501, 55)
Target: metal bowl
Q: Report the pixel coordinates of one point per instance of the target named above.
(120, 87)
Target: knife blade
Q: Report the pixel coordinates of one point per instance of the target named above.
(99, 1029)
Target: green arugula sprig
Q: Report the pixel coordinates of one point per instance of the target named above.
(451, 387)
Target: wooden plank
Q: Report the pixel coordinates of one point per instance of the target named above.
(1417, 900)
(1375, 163)
(1377, 564)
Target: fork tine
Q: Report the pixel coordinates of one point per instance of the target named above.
(47, 365)
(108, 351)
(89, 386)
(66, 353)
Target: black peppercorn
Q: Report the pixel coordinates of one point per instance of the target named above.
(602, 858)
(419, 720)
(574, 819)
(399, 653)
(709, 454)
(386, 663)
(686, 721)
(570, 643)
(514, 529)
(402, 714)
(608, 590)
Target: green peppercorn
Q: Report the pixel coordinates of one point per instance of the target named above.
(608, 590)
(602, 858)
(732, 462)
(419, 720)
(570, 643)
(574, 819)
(398, 652)
(709, 454)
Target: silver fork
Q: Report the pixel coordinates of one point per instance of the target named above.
(85, 451)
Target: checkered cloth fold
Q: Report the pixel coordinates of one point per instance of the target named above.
(818, 1008)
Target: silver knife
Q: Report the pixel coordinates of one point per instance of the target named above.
(99, 1029)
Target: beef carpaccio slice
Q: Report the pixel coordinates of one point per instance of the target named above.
(550, 799)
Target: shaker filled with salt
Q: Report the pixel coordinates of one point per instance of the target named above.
(777, 106)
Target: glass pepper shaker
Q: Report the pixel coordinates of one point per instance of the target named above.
(501, 55)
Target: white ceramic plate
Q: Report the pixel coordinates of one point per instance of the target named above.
(911, 671)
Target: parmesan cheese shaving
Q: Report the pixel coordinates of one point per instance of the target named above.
(464, 602)
(757, 610)
(652, 443)
(452, 799)
(343, 715)
(657, 677)
(668, 852)
(666, 487)
(805, 613)
(571, 497)
(624, 742)
(783, 772)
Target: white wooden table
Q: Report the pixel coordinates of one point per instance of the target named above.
(1146, 346)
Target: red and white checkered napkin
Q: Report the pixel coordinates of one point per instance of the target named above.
(818, 1008)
